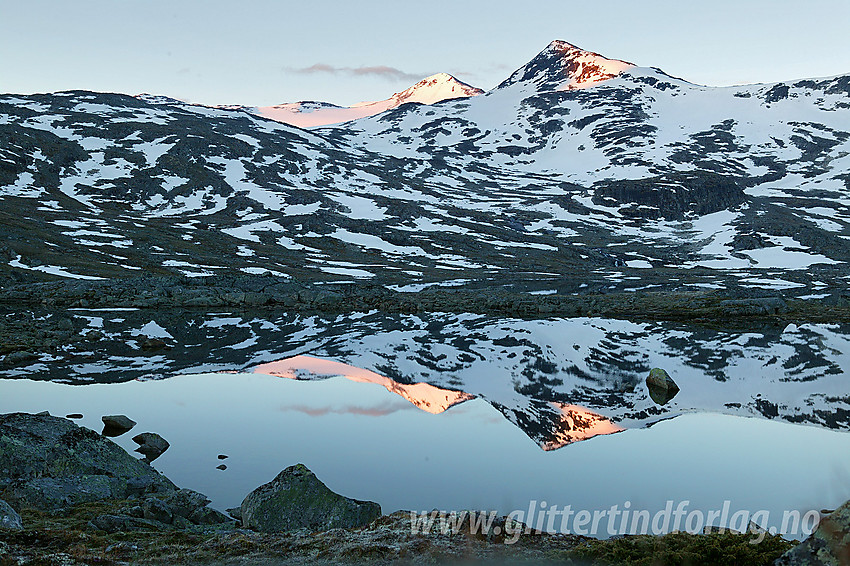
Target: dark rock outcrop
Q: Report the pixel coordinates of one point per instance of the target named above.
(49, 462)
(297, 499)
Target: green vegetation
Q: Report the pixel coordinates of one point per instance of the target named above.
(679, 549)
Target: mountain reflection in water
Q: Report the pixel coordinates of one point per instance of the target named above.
(426, 397)
(551, 424)
(527, 369)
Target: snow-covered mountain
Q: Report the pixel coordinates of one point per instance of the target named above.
(430, 90)
(563, 66)
(577, 174)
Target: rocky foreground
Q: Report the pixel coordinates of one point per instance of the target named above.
(72, 496)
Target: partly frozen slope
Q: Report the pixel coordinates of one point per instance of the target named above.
(576, 174)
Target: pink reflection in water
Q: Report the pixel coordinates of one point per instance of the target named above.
(424, 396)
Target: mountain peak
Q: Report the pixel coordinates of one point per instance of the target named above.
(435, 88)
(563, 66)
(429, 90)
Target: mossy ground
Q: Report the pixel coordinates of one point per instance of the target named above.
(66, 538)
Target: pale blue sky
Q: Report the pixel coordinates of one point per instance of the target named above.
(250, 52)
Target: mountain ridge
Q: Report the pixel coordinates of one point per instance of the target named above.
(641, 182)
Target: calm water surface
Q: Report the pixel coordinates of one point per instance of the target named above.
(369, 443)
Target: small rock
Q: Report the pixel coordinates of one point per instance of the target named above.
(116, 425)
(235, 512)
(151, 445)
(20, 357)
(121, 547)
(156, 510)
(221, 467)
(9, 519)
(74, 416)
(43, 414)
(222, 456)
(661, 386)
(192, 506)
(122, 523)
(134, 511)
(154, 344)
(296, 499)
(208, 516)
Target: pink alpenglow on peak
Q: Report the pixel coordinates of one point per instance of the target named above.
(563, 66)
(431, 90)
(436, 88)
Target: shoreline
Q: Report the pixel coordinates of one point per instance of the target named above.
(730, 306)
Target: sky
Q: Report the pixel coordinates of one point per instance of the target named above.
(264, 52)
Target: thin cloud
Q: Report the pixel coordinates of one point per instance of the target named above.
(379, 411)
(383, 71)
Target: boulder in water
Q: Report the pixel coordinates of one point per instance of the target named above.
(151, 445)
(661, 386)
(116, 425)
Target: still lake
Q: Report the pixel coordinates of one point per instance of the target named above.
(469, 412)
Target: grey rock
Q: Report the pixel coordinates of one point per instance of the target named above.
(193, 507)
(185, 502)
(661, 386)
(208, 516)
(829, 545)
(54, 493)
(50, 462)
(151, 445)
(9, 518)
(134, 511)
(155, 510)
(297, 499)
(116, 425)
(235, 512)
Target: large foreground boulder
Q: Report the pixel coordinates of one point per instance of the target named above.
(297, 499)
(50, 462)
(829, 545)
